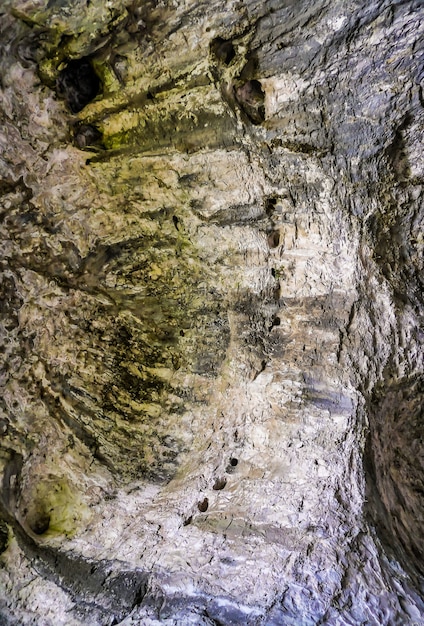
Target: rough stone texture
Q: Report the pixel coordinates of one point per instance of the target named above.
(211, 299)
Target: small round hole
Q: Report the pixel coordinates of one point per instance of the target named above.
(203, 505)
(232, 464)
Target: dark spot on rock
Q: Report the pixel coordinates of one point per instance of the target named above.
(274, 239)
(275, 322)
(78, 84)
(273, 273)
(11, 302)
(203, 505)
(270, 204)
(220, 614)
(188, 521)
(182, 333)
(231, 465)
(220, 483)
(251, 99)
(176, 221)
(39, 522)
(86, 136)
(4, 536)
(126, 590)
(11, 480)
(223, 50)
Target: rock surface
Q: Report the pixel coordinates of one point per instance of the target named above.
(211, 302)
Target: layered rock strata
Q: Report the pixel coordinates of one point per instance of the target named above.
(211, 302)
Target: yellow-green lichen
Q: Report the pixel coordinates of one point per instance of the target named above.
(55, 508)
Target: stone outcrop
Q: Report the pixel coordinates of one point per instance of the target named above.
(211, 303)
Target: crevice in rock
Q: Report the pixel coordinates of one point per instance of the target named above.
(4, 536)
(395, 470)
(251, 98)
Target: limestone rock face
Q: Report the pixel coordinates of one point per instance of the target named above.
(211, 303)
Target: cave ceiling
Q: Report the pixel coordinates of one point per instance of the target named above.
(211, 312)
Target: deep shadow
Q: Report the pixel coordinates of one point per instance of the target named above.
(394, 463)
(78, 84)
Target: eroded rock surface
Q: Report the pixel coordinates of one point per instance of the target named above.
(211, 299)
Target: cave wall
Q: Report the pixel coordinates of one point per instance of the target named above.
(211, 303)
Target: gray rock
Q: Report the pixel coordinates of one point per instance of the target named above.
(211, 304)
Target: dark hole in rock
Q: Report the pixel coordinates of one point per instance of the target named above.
(251, 99)
(273, 273)
(220, 483)
(4, 537)
(231, 465)
(394, 463)
(39, 523)
(176, 222)
(86, 136)
(78, 84)
(203, 505)
(223, 50)
(188, 521)
(274, 239)
(270, 205)
(275, 322)
(182, 333)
